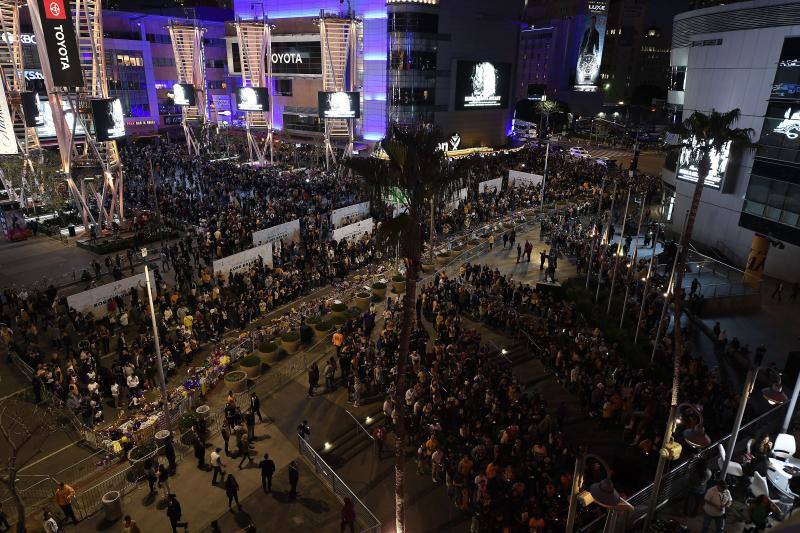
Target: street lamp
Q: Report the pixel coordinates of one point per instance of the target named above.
(694, 436)
(773, 394)
(602, 492)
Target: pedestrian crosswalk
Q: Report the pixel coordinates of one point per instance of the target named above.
(619, 155)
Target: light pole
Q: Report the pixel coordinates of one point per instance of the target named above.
(773, 394)
(634, 258)
(604, 237)
(671, 450)
(161, 383)
(594, 228)
(544, 176)
(664, 307)
(602, 492)
(619, 251)
(648, 276)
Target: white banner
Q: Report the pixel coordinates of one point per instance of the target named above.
(95, 300)
(354, 212)
(288, 231)
(522, 179)
(8, 141)
(243, 260)
(461, 194)
(353, 231)
(490, 186)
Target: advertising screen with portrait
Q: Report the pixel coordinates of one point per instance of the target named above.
(482, 85)
(252, 99)
(687, 166)
(590, 48)
(183, 94)
(109, 120)
(45, 126)
(339, 104)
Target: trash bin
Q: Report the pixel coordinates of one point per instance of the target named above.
(162, 437)
(112, 503)
(71, 230)
(203, 411)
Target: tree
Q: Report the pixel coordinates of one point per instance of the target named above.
(701, 136)
(415, 172)
(23, 431)
(546, 108)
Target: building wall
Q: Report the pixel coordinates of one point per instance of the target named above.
(736, 71)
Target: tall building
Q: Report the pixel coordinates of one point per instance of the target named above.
(744, 55)
(625, 32)
(419, 61)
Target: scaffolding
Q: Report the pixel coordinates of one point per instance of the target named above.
(190, 62)
(83, 157)
(255, 46)
(12, 71)
(339, 39)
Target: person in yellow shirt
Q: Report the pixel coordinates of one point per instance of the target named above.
(64, 496)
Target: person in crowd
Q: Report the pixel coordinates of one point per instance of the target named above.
(232, 491)
(294, 478)
(267, 467)
(348, 516)
(174, 514)
(717, 500)
(64, 496)
(129, 525)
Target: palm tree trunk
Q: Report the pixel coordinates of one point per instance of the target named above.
(678, 349)
(409, 300)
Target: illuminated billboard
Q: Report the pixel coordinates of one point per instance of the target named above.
(687, 166)
(252, 99)
(183, 94)
(339, 104)
(109, 120)
(45, 126)
(482, 85)
(590, 49)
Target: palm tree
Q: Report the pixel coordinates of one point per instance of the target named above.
(415, 172)
(700, 136)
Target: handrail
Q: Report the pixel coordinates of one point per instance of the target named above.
(359, 424)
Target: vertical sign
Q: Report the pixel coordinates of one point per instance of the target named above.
(590, 48)
(61, 43)
(8, 141)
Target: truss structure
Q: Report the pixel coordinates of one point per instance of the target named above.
(254, 46)
(12, 72)
(83, 157)
(339, 39)
(190, 61)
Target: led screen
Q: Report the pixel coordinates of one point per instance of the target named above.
(30, 108)
(109, 121)
(183, 94)
(687, 166)
(45, 127)
(252, 99)
(482, 85)
(339, 104)
(590, 48)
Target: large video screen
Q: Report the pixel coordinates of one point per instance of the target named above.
(30, 108)
(183, 94)
(687, 167)
(590, 49)
(252, 99)
(109, 120)
(339, 104)
(780, 134)
(482, 85)
(45, 126)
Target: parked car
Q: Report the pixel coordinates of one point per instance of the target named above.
(577, 151)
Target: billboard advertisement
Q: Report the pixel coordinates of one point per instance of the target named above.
(590, 49)
(780, 134)
(60, 43)
(687, 166)
(339, 104)
(8, 141)
(482, 85)
(296, 58)
(45, 126)
(109, 121)
(252, 99)
(183, 94)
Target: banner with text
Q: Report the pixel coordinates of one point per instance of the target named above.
(353, 231)
(461, 194)
(60, 43)
(288, 231)
(8, 141)
(243, 260)
(352, 213)
(523, 179)
(95, 300)
(490, 186)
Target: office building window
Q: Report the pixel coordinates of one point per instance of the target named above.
(283, 87)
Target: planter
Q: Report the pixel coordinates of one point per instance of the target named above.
(323, 329)
(137, 456)
(379, 289)
(363, 300)
(290, 342)
(427, 268)
(236, 381)
(251, 365)
(442, 258)
(339, 309)
(267, 351)
(338, 321)
(398, 284)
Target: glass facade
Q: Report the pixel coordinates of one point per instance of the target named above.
(127, 80)
(296, 57)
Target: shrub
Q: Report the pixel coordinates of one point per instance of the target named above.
(142, 451)
(353, 312)
(292, 336)
(323, 327)
(398, 279)
(363, 295)
(250, 360)
(306, 334)
(338, 320)
(268, 347)
(187, 421)
(338, 308)
(379, 285)
(236, 375)
(443, 255)
(312, 321)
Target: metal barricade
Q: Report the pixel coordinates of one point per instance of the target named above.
(339, 487)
